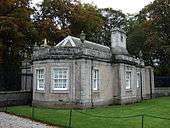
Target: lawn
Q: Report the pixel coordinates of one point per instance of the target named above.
(103, 117)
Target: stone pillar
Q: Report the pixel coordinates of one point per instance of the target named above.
(86, 82)
(149, 82)
(119, 83)
(26, 77)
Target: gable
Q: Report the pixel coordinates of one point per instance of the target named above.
(67, 42)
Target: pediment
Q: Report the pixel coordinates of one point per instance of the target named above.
(67, 42)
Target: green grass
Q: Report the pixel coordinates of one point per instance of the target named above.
(155, 107)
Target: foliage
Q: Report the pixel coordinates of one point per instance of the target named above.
(17, 35)
(112, 18)
(58, 18)
(16, 28)
(136, 36)
(149, 31)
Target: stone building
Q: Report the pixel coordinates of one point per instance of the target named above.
(80, 73)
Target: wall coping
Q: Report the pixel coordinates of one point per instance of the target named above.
(162, 88)
(10, 92)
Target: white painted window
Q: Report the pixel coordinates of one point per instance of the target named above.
(128, 76)
(40, 81)
(138, 79)
(95, 79)
(60, 78)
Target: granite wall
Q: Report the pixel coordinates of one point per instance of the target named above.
(80, 89)
(15, 98)
(162, 91)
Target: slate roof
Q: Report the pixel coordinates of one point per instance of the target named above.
(73, 46)
(71, 41)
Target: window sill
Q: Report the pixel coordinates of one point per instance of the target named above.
(128, 90)
(96, 91)
(60, 91)
(39, 91)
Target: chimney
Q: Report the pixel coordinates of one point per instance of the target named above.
(118, 38)
(118, 41)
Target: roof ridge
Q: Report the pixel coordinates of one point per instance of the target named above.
(86, 41)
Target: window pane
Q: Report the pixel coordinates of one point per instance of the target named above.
(138, 79)
(40, 79)
(64, 85)
(95, 79)
(128, 80)
(60, 78)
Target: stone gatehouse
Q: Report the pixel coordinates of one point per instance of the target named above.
(80, 73)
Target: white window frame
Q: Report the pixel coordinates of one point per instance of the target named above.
(138, 79)
(95, 79)
(37, 79)
(53, 79)
(128, 82)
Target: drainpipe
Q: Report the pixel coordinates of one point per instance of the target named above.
(141, 84)
(150, 78)
(26, 76)
(119, 98)
(82, 39)
(92, 83)
(26, 67)
(31, 89)
(73, 100)
(80, 101)
(140, 56)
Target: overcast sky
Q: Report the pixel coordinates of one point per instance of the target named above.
(127, 6)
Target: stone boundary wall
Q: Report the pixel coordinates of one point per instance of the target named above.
(162, 91)
(15, 98)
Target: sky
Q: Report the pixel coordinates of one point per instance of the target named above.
(127, 6)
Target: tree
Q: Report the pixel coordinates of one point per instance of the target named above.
(136, 35)
(17, 34)
(58, 18)
(112, 18)
(151, 28)
(158, 14)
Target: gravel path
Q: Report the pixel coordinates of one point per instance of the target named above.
(11, 121)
